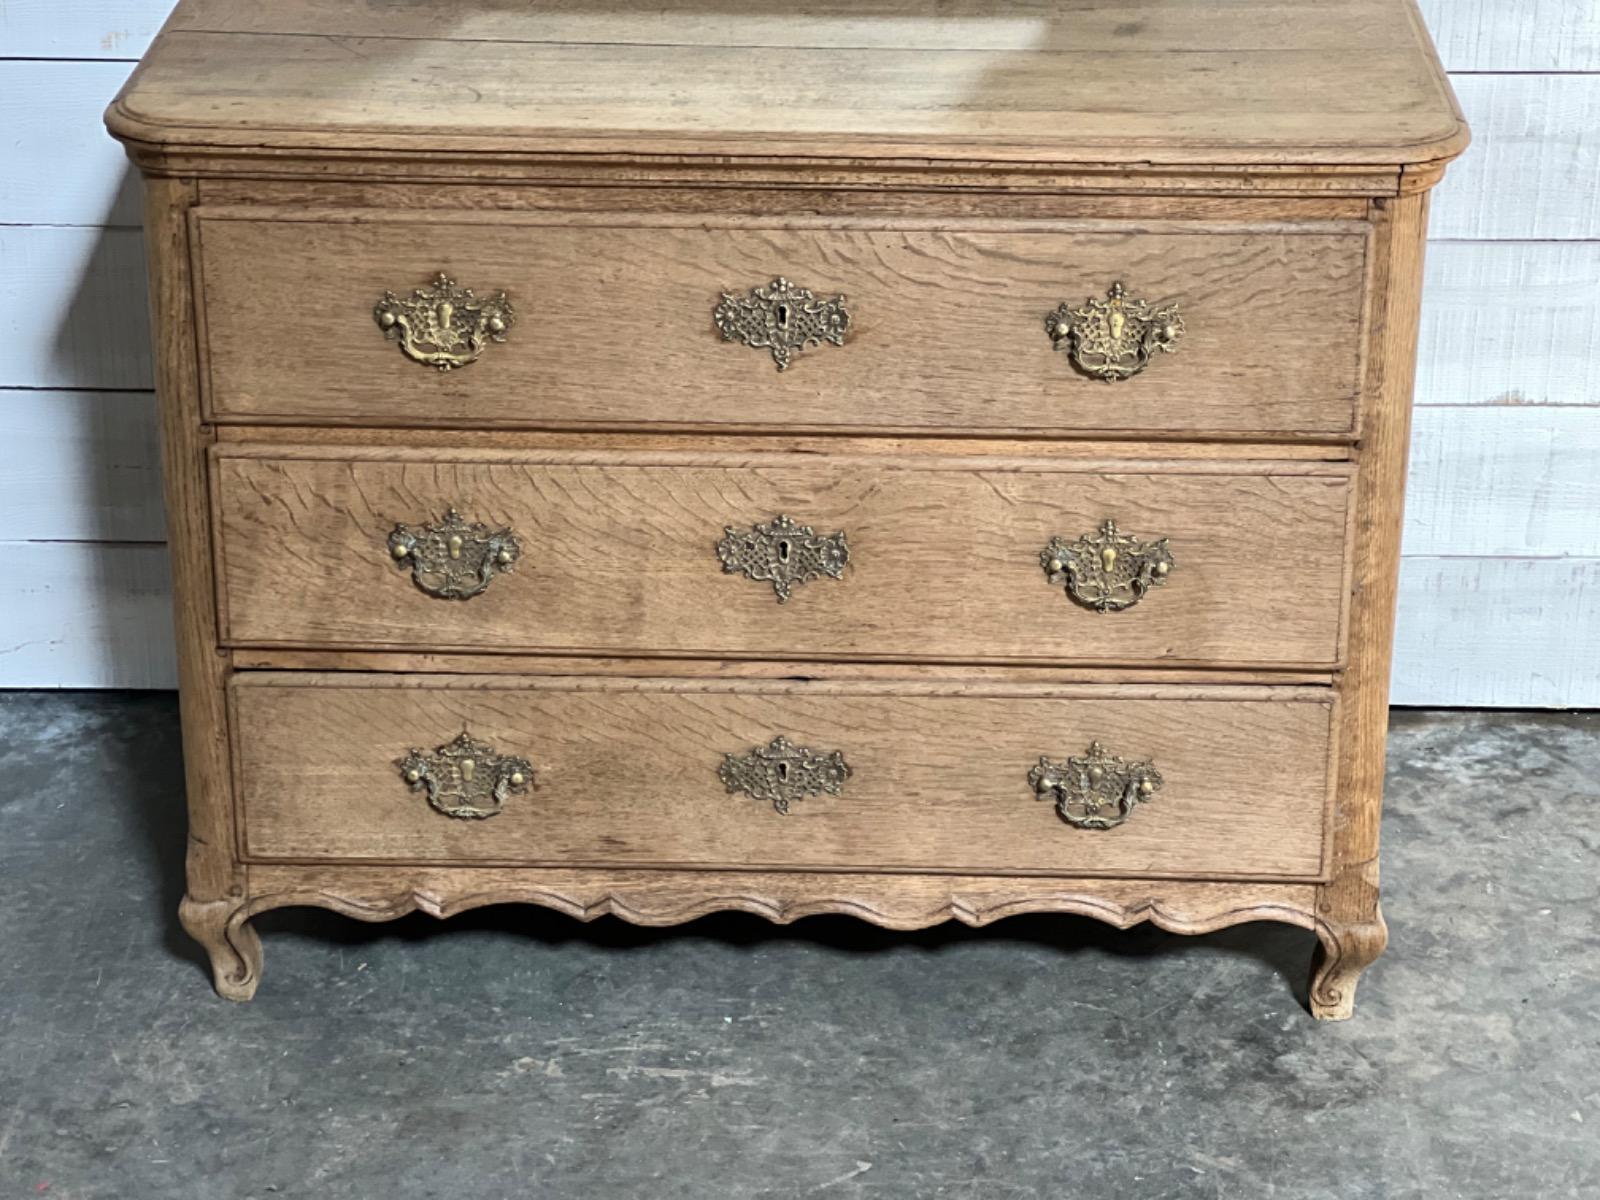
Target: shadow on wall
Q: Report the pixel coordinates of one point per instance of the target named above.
(114, 591)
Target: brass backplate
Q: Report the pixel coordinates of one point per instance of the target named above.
(1114, 338)
(465, 778)
(1096, 790)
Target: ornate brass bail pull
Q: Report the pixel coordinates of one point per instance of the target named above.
(454, 559)
(782, 552)
(1114, 338)
(1107, 571)
(1096, 791)
(782, 772)
(782, 318)
(466, 778)
(443, 325)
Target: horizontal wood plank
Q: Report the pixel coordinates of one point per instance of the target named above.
(81, 614)
(946, 330)
(1517, 481)
(73, 309)
(1473, 631)
(938, 773)
(620, 556)
(1534, 160)
(1502, 323)
(80, 466)
(1510, 323)
(109, 29)
(1017, 26)
(1515, 35)
(1498, 632)
(60, 167)
(1374, 96)
(1472, 35)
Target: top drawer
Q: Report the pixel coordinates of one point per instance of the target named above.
(613, 323)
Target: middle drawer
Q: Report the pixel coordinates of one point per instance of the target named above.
(910, 558)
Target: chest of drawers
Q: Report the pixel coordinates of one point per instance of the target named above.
(900, 459)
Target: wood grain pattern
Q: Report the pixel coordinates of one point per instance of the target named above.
(1379, 97)
(947, 328)
(736, 668)
(1348, 904)
(802, 195)
(1023, 26)
(214, 874)
(619, 556)
(626, 774)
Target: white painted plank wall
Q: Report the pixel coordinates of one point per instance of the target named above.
(1500, 595)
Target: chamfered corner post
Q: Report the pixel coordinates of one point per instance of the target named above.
(1350, 926)
(216, 881)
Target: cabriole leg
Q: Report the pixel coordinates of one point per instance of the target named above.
(233, 947)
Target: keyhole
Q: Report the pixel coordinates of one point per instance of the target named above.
(783, 316)
(784, 548)
(455, 544)
(468, 769)
(783, 772)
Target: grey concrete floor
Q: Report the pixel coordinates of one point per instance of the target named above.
(517, 1053)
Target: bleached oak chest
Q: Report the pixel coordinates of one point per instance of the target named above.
(913, 460)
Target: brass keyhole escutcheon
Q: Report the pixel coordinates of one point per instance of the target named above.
(781, 773)
(782, 552)
(781, 318)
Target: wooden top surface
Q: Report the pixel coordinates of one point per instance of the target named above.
(1225, 82)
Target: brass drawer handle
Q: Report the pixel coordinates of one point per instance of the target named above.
(1114, 338)
(1107, 571)
(1096, 791)
(782, 552)
(782, 772)
(453, 559)
(466, 778)
(782, 318)
(443, 325)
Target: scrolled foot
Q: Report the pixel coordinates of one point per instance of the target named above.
(233, 947)
(1343, 952)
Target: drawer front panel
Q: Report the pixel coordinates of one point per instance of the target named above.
(629, 773)
(613, 325)
(620, 554)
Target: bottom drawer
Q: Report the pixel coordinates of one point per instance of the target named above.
(1197, 782)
